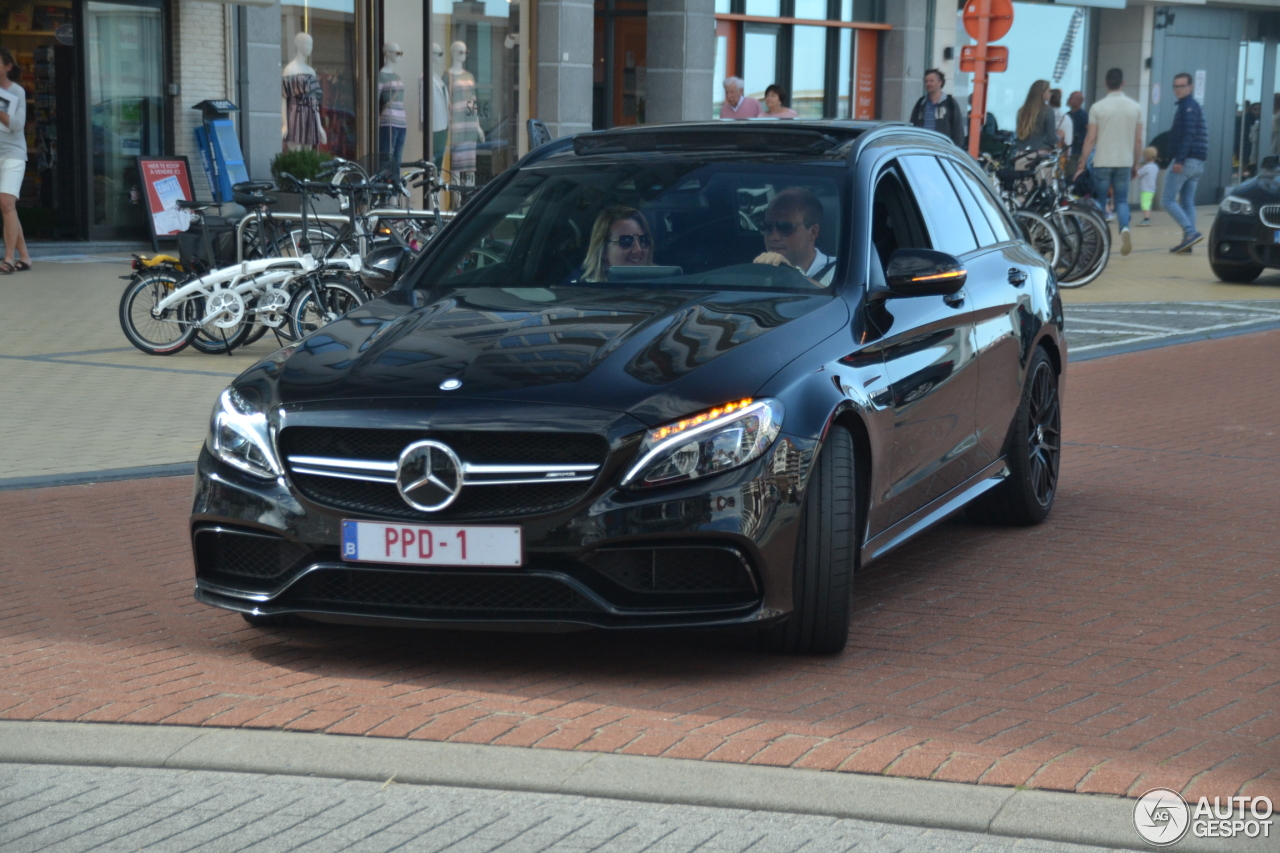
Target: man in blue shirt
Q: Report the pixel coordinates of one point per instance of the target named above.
(1188, 148)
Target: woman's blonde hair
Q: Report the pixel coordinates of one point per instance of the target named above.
(1032, 108)
(593, 268)
(1149, 153)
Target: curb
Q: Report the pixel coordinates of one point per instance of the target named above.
(1102, 820)
(80, 478)
(1172, 340)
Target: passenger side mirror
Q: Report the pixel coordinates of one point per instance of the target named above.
(383, 266)
(923, 272)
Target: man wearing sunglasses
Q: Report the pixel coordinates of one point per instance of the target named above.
(790, 228)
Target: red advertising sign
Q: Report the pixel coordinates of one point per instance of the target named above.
(864, 74)
(165, 180)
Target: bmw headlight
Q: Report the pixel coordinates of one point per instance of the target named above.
(239, 436)
(1237, 206)
(706, 443)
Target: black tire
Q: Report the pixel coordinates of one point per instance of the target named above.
(1033, 451)
(337, 295)
(164, 335)
(212, 342)
(826, 556)
(1237, 273)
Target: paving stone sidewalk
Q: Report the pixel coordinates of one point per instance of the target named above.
(72, 809)
(1130, 641)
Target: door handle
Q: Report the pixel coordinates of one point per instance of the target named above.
(1017, 277)
(955, 300)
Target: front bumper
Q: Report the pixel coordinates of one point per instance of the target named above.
(1243, 241)
(713, 552)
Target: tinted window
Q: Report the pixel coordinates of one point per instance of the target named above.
(674, 223)
(943, 213)
(977, 220)
(992, 209)
(895, 222)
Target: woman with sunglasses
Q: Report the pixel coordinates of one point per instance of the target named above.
(620, 237)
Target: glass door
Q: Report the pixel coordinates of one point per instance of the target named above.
(124, 55)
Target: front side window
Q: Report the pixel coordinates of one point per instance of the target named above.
(653, 224)
(948, 224)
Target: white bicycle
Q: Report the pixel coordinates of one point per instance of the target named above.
(163, 311)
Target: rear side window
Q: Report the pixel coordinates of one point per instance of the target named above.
(948, 224)
(981, 229)
(984, 204)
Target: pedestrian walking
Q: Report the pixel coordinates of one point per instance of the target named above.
(777, 104)
(13, 162)
(1079, 127)
(1037, 123)
(1188, 148)
(938, 110)
(1114, 138)
(1148, 176)
(1066, 128)
(736, 104)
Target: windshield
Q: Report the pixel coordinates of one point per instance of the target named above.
(652, 224)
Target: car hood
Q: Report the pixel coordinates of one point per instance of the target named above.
(1265, 187)
(655, 354)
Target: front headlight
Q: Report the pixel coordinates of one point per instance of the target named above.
(1235, 205)
(239, 436)
(707, 443)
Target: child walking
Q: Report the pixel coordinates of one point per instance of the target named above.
(1147, 176)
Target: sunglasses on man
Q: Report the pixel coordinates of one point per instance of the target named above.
(626, 241)
(782, 226)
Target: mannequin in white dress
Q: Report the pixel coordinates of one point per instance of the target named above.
(300, 124)
(464, 117)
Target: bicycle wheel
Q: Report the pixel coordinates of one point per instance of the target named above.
(1041, 234)
(1069, 231)
(336, 297)
(215, 341)
(1095, 247)
(165, 332)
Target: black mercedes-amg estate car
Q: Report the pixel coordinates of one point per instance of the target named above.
(677, 376)
(1245, 238)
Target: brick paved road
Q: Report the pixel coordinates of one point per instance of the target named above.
(73, 809)
(1131, 641)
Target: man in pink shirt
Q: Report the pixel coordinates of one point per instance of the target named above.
(736, 104)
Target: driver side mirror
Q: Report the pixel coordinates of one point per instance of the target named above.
(923, 272)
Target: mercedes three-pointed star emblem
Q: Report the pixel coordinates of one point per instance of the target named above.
(429, 475)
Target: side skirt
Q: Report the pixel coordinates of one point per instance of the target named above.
(927, 516)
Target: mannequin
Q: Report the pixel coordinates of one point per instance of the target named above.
(464, 117)
(300, 124)
(391, 125)
(439, 105)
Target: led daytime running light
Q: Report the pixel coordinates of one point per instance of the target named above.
(699, 419)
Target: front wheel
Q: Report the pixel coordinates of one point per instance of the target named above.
(1033, 453)
(158, 332)
(826, 556)
(319, 303)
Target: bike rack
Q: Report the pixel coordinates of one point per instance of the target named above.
(383, 212)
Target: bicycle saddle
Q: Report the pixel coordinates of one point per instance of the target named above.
(195, 205)
(251, 199)
(252, 186)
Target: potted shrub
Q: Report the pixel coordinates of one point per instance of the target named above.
(303, 163)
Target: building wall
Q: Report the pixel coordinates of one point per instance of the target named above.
(200, 70)
(903, 60)
(566, 43)
(259, 88)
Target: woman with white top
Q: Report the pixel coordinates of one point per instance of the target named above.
(13, 162)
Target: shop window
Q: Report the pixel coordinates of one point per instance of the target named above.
(476, 55)
(42, 39)
(319, 88)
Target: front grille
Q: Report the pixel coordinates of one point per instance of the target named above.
(675, 569)
(246, 555)
(435, 593)
(1270, 214)
(379, 497)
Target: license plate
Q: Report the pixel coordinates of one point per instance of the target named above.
(431, 544)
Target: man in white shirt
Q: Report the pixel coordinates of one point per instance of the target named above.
(1114, 137)
(790, 228)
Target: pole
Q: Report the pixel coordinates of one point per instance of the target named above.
(978, 115)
